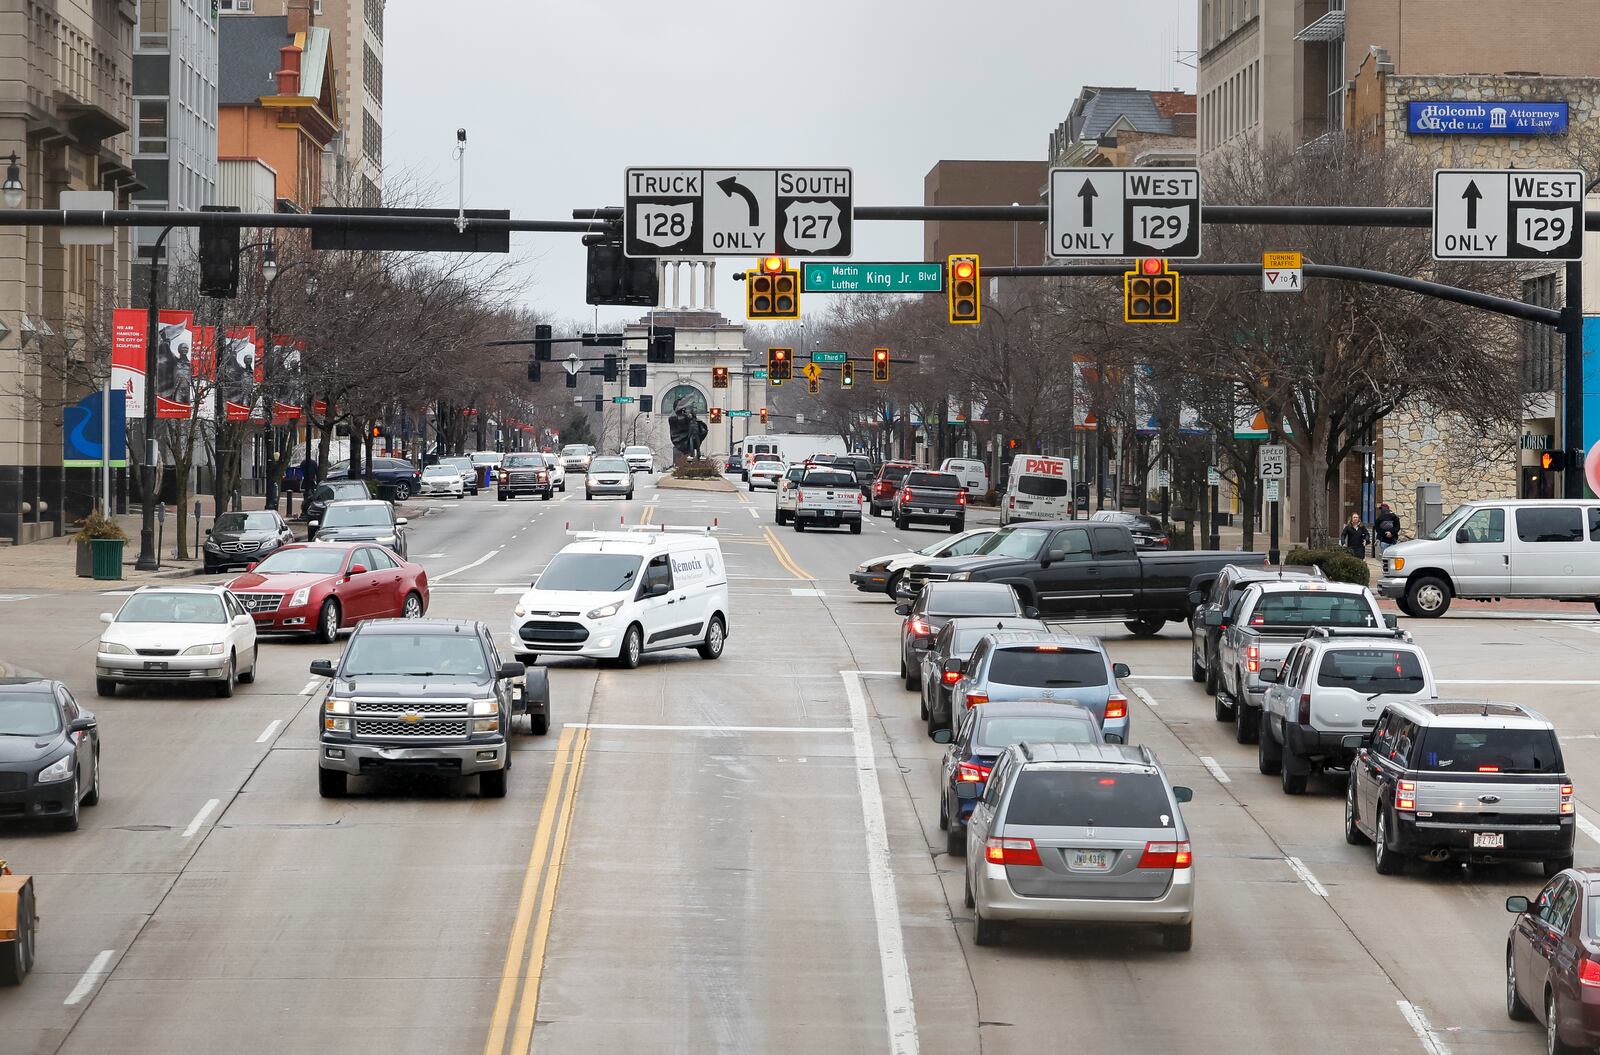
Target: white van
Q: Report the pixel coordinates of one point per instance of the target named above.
(972, 473)
(616, 595)
(1039, 488)
(1546, 548)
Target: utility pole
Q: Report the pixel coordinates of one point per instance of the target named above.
(1572, 381)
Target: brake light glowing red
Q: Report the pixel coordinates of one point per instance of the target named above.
(1107, 782)
(961, 498)
(972, 773)
(975, 698)
(1166, 855)
(1567, 806)
(1588, 972)
(1405, 795)
(1011, 851)
(1252, 655)
(1116, 706)
(919, 627)
(1488, 769)
(952, 676)
(905, 495)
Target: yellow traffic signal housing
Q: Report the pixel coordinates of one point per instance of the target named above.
(962, 288)
(719, 377)
(880, 364)
(813, 386)
(1150, 292)
(772, 290)
(763, 415)
(780, 365)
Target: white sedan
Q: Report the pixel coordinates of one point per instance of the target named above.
(443, 480)
(177, 633)
(558, 475)
(766, 474)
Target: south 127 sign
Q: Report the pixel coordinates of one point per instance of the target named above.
(1507, 214)
(737, 212)
(1125, 212)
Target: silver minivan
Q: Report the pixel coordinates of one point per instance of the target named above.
(1079, 833)
(1545, 548)
(1030, 665)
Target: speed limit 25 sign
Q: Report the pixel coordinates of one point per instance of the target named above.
(1274, 461)
(737, 212)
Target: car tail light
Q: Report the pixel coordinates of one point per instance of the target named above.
(1011, 502)
(972, 773)
(952, 676)
(919, 627)
(961, 498)
(1252, 655)
(1116, 706)
(1588, 972)
(1305, 708)
(859, 497)
(975, 698)
(905, 495)
(1405, 795)
(1566, 799)
(1488, 769)
(1000, 851)
(1166, 855)
(1161, 541)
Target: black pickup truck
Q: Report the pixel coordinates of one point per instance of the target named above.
(1080, 570)
(928, 497)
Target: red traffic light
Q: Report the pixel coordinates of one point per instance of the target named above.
(1152, 265)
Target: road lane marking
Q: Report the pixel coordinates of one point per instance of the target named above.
(97, 969)
(901, 1012)
(798, 592)
(1149, 701)
(784, 559)
(468, 567)
(1216, 770)
(271, 728)
(755, 514)
(311, 686)
(200, 818)
(1519, 681)
(713, 728)
(1587, 827)
(1158, 677)
(649, 511)
(1306, 877)
(1419, 1025)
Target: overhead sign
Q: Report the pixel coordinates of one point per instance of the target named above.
(1507, 214)
(1281, 261)
(1274, 461)
(872, 278)
(738, 413)
(737, 212)
(830, 357)
(571, 363)
(1486, 119)
(1139, 212)
(811, 371)
(758, 375)
(1282, 280)
(622, 399)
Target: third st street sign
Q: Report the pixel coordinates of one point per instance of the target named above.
(1137, 212)
(1507, 214)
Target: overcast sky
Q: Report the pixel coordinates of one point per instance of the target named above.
(559, 98)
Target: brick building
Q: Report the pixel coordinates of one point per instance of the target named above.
(984, 183)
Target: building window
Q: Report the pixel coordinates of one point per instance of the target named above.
(316, 7)
(373, 75)
(242, 6)
(371, 137)
(374, 15)
(151, 127)
(154, 23)
(1539, 342)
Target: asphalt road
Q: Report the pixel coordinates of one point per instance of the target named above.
(732, 856)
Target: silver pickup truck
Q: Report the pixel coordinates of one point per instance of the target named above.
(1264, 622)
(827, 498)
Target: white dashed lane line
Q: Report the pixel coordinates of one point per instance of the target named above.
(1306, 877)
(1215, 770)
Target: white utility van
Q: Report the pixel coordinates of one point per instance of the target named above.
(972, 473)
(792, 448)
(1546, 548)
(1039, 488)
(616, 595)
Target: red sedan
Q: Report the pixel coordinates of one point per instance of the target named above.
(1553, 961)
(320, 587)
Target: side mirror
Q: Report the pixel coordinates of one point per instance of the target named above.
(313, 524)
(399, 521)
(80, 724)
(1517, 903)
(107, 618)
(953, 666)
(512, 669)
(1182, 794)
(208, 531)
(967, 790)
(943, 736)
(241, 620)
(1356, 741)
(658, 589)
(902, 609)
(1213, 617)
(1120, 670)
(1196, 598)
(1461, 534)
(1052, 556)
(1030, 612)
(1269, 675)
(322, 668)
(357, 569)
(1391, 621)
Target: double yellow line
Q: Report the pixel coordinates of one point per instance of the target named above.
(784, 559)
(525, 951)
(649, 511)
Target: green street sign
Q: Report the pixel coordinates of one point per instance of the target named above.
(622, 399)
(738, 413)
(872, 278)
(830, 357)
(758, 375)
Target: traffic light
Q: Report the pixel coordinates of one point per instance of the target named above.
(772, 290)
(613, 278)
(719, 377)
(847, 375)
(962, 287)
(780, 365)
(636, 375)
(533, 368)
(219, 256)
(377, 432)
(1553, 461)
(647, 404)
(611, 368)
(663, 345)
(599, 403)
(880, 364)
(541, 342)
(716, 415)
(1150, 292)
(813, 386)
(763, 415)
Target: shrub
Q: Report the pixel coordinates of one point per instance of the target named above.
(1337, 564)
(97, 526)
(698, 469)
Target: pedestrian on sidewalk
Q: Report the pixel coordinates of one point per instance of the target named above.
(1385, 529)
(1354, 537)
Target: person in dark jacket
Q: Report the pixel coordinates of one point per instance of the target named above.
(1385, 529)
(1354, 537)
(309, 475)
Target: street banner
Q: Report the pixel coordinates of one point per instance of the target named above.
(287, 380)
(238, 375)
(1084, 376)
(175, 339)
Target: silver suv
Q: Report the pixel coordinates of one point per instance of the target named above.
(1076, 833)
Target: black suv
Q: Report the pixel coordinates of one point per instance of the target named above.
(428, 695)
(400, 475)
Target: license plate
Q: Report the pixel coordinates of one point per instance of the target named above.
(1488, 840)
(830, 512)
(1089, 860)
(155, 664)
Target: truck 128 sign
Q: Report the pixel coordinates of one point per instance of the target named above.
(737, 212)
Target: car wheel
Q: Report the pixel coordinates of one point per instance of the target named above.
(1293, 783)
(412, 608)
(69, 823)
(17, 958)
(1428, 597)
(716, 637)
(799, 525)
(1516, 1010)
(93, 798)
(632, 648)
(248, 677)
(778, 516)
(492, 784)
(224, 688)
(966, 891)
(331, 783)
(402, 491)
(1352, 826)
(913, 677)
(901, 523)
(1269, 758)
(1211, 680)
(105, 687)
(984, 931)
(751, 485)
(892, 587)
(1556, 865)
(922, 710)
(1553, 1044)
(955, 840)
(500, 496)
(547, 496)
(1246, 721)
(958, 527)
(1196, 671)
(944, 812)
(588, 496)
(855, 527)
(1179, 938)
(328, 622)
(1145, 627)
(1385, 860)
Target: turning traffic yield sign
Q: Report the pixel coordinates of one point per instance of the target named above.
(1507, 214)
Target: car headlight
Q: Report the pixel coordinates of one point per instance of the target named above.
(336, 725)
(1396, 563)
(605, 611)
(960, 576)
(301, 596)
(212, 543)
(485, 725)
(335, 705)
(114, 649)
(519, 611)
(485, 707)
(212, 649)
(60, 769)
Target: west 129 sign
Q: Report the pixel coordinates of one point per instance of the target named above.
(737, 212)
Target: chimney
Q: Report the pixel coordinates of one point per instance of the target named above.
(299, 15)
(288, 70)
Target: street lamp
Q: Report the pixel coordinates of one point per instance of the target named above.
(13, 185)
(269, 262)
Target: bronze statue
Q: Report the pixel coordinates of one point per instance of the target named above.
(687, 431)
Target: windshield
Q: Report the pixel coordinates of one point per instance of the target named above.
(485, 456)
(608, 465)
(1022, 543)
(1048, 667)
(28, 714)
(946, 480)
(1372, 670)
(636, 452)
(1489, 751)
(173, 608)
(356, 516)
(589, 572)
(246, 522)
(458, 655)
(1094, 798)
(828, 479)
(524, 461)
(344, 490)
(442, 470)
(1314, 608)
(1448, 526)
(971, 599)
(575, 448)
(1042, 486)
(1002, 732)
(305, 559)
(457, 463)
